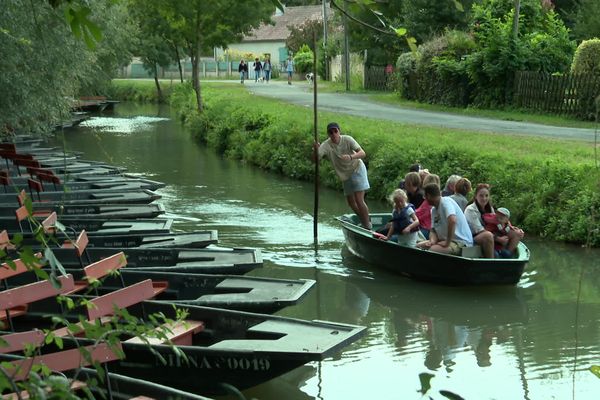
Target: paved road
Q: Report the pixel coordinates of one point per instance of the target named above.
(361, 105)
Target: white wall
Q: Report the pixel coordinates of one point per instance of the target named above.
(257, 48)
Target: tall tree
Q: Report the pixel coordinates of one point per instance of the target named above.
(204, 25)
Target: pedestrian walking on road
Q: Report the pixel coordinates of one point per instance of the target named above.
(257, 69)
(289, 67)
(267, 69)
(243, 70)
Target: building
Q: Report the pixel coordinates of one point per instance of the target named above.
(270, 38)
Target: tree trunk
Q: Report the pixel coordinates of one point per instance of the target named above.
(158, 90)
(178, 62)
(196, 50)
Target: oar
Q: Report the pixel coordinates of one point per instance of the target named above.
(316, 137)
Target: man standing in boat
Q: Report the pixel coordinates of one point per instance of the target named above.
(346, 157)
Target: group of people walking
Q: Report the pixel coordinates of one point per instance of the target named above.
(263, 70)
(424, 215)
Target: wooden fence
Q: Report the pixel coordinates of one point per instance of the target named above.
(377, 79)
(565, 94)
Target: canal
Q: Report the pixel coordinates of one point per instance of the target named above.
(482, 343)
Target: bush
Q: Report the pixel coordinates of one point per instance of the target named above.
(587, 58)
(552, 190)
(303, 60)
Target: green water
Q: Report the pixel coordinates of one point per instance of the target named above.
(482, 343)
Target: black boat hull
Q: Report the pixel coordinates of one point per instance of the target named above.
(429, 266)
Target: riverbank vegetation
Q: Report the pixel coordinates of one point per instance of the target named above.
(550, 186)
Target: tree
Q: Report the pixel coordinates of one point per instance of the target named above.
(587, 20)
(202, 26)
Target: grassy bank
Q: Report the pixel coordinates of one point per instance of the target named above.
(550, 186)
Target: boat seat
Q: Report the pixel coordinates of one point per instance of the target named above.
(471, 252)
(179, 333)
(13, 302)
(5, 243)
(99, 270)
(64, 360)
(122, 298)
(24, 395)
(18, 341)
(64, 331)
(35, 186)
(6, 271)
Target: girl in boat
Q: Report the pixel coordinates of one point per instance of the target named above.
(404, 224)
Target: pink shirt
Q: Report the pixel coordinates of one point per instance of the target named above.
(424, 215)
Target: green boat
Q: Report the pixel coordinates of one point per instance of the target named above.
(426, 265)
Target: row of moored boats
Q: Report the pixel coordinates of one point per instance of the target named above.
(100, 220)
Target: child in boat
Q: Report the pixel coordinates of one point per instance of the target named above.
(404, 223)
(499, 224)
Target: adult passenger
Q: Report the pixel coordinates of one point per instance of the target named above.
(449, 231)
(474, 212)
(450, 183)
(346, 157)
(461, 191)
(412, 185)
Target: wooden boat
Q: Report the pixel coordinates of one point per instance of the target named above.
(142, 196)
(426, 265)
(198, 239)
(110, 385)
(265, 295)
(75, 182)
(211, 260)
(94, 211)
(97, 226)
(221, 346)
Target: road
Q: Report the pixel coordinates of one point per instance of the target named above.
(361, 105)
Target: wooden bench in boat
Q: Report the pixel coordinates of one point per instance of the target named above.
(24, 395)
(18, 341)
(21, 296)
(471, 252)
(64, 360)
(180, 332)
(5, 243)
(6, 271)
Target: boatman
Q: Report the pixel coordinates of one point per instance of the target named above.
(346, 157)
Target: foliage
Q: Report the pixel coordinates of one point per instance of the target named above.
(142, 91)
(587, 58)
(542, 45)
(304, 34)
(552, 189)
(426, 19)
(586, 20)
(304, 59)
(44, 66)
(201, 26)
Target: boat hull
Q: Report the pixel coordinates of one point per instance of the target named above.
(429, 266)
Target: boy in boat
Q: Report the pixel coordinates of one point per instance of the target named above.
(450, 231)
(346, 157)
(500, 226)
(404, 224)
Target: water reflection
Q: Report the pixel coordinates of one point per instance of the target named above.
(483, 343)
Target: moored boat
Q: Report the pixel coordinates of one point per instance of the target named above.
(426, 265)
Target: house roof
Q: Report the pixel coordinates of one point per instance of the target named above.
(291, 16)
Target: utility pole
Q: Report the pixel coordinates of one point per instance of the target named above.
(515, 28)
(346, 50)
(325, 40)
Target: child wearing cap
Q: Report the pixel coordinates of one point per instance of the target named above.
(499, 224)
